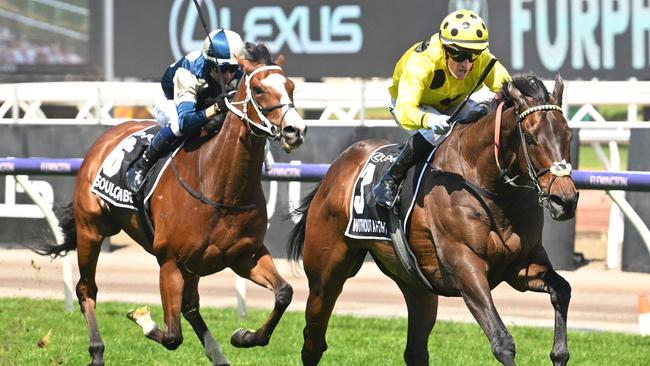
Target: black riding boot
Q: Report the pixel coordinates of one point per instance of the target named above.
(385, 191)
(159, 146)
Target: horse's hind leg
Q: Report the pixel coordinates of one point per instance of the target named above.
(261, 270)
(191, 313)
(422, 308)
(538, 275)
(89, 242)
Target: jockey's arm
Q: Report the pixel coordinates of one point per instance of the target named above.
(186, 87)
(410, 89)
(415, 78)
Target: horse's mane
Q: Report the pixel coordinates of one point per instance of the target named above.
(528, 84)
(258, 52)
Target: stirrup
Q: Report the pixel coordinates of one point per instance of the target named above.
(395, 199)
(132, 182)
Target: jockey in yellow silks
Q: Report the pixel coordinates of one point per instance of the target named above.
(430, 81)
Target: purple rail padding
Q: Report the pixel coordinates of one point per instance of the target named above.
(62, 166)
(290, 172)
(620, 181)
(39, 166)
(603, 180)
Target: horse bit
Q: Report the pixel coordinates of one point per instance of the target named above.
(557, 168)
(266, 128)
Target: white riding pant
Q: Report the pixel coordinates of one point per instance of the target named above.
(166, 114)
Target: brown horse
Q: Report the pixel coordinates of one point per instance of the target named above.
(470, 229)
(192, 238)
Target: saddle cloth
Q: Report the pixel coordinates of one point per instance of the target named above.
(110, 182)
(369, 220)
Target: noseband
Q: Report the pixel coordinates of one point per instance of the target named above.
(557, 168)
(264, 128)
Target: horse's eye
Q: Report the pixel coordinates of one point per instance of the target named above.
(258, 90)
(529, 139)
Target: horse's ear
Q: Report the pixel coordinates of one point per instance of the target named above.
(280, 60)
(517, 97)
(558, 89)
(246, 65)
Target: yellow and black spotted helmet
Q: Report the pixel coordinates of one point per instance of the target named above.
(465, 29)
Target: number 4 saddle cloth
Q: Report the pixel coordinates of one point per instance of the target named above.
(110, 182)
(369, 220)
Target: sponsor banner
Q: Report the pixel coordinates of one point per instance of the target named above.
(606, 39)
(318, 37)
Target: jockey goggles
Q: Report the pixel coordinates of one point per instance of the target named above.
(232, 68)
(461, 55)
(229, 68)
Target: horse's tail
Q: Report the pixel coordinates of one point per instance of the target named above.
(67, 224)
(297, 236)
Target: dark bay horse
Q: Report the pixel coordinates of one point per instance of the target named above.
(191, 238)
(472, 226)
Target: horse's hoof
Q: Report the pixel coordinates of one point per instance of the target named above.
(244, 338)
(135, 314)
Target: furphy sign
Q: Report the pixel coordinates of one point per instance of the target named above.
(580, 38)
(607, 39)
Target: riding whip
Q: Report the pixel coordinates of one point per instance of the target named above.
(478, 83)
(207, 31)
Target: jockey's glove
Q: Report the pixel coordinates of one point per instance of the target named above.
(218, 107)
(438, 123)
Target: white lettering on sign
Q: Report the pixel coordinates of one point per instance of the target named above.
(339, 31)
(586, 34)
(615, 180)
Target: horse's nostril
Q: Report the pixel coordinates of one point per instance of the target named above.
(290, 131)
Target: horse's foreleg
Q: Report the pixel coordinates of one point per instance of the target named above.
(538, 275)
(261, 270)
(327, 270)
(422, 311)
(171, 289)
(191, 313)
(471, 276)
(88, 248)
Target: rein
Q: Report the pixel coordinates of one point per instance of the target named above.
(201, 197)
(557, 168)
(264, 128)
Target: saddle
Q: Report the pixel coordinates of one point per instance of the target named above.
(110, 182)
(371, 221)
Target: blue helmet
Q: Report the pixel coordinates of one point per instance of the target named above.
(221, 47)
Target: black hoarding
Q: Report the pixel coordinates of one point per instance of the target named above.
(606, 39)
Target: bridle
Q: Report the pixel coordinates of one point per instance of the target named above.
(263, 128)
(557, 168)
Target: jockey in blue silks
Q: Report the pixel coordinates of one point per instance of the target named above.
(194, 96)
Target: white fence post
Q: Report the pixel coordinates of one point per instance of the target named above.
(58, 236)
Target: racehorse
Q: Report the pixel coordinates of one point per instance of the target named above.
(195, 237)
(476, 222)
